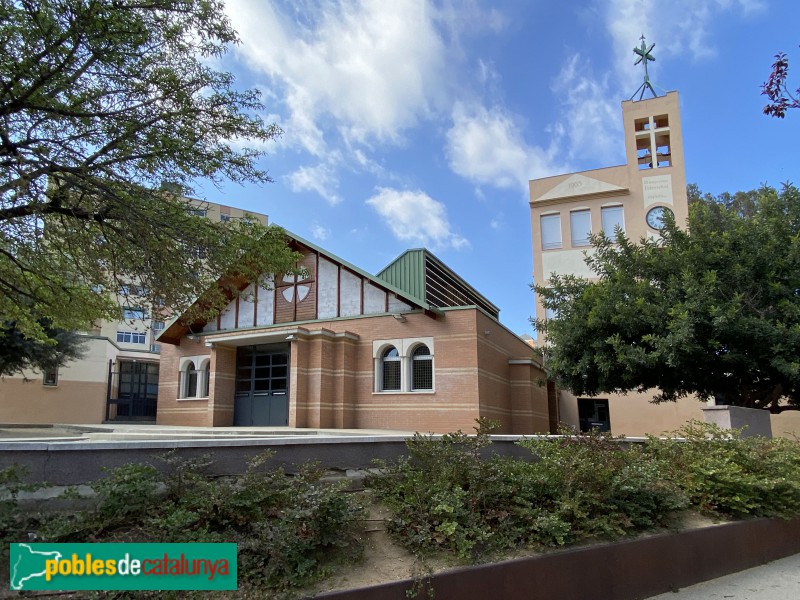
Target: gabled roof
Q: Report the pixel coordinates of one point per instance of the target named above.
(377, 280)
(429, 281)
(175, 329)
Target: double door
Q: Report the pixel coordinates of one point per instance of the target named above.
(262, 385)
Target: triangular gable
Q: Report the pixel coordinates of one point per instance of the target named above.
(333, 288)
(580, 185)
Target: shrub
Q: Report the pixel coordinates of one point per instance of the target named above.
(600, 487)
(447, 495)
(727, 474)
(289, 529)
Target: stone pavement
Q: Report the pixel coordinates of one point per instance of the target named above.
(778, 580)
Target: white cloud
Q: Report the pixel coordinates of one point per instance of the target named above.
(590, 119)
(485, 146)
(320, 179)
(319, 232)
(415, 217)
(678, 27)
(367, 70)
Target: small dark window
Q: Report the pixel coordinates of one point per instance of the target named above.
(391, 370)
(50, 377)
(594, 414)
(422, 369)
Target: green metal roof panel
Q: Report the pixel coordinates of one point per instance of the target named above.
(407, 272)
(422, 275)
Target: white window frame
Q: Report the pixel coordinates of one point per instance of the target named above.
(605, 210)
(414, 360)
(549, 218)
(405, 348)
(45, 381)
(577, 227)
(133, 313)
(203, 372)
(140, 337)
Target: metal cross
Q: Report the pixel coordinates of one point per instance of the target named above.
(643, 52)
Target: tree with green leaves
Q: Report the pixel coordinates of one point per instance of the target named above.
(712, 310)
(19, 353)
(101, 101)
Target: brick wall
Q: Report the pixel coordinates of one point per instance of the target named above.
(332, 377)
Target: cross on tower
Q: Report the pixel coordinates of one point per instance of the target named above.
(643, 52)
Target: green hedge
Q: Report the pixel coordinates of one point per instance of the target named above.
(452, 495)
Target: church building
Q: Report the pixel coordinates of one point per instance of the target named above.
(413, 348)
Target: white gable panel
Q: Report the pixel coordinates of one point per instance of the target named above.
(397, 305)
(327, 289)
(374, 300)
(350, 295)
(580, 185)
(265, 305)
(227, 319)
(246, 307)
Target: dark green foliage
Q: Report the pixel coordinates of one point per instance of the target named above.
(713, 311)
(18, 353)
(601, 487)
(103, 101)
(447, 496)
(724, 473)
(289, 529)
(451, 495)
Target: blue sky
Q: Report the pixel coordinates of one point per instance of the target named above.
(412, 123)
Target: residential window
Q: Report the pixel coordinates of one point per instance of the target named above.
(131, 337)
(50, 377)
(197, 212)
(224, 218)
(551, 231)
(612, 217)
(421, 369)
(580, 227)
(129, 313)
(391, 370)
(157, 326)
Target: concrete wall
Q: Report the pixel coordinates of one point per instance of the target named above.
(79, 396)
(634, 415)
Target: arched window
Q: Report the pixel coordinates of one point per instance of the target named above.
(206, 379)
(391, 370)
(189, 381)
(421, 369)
